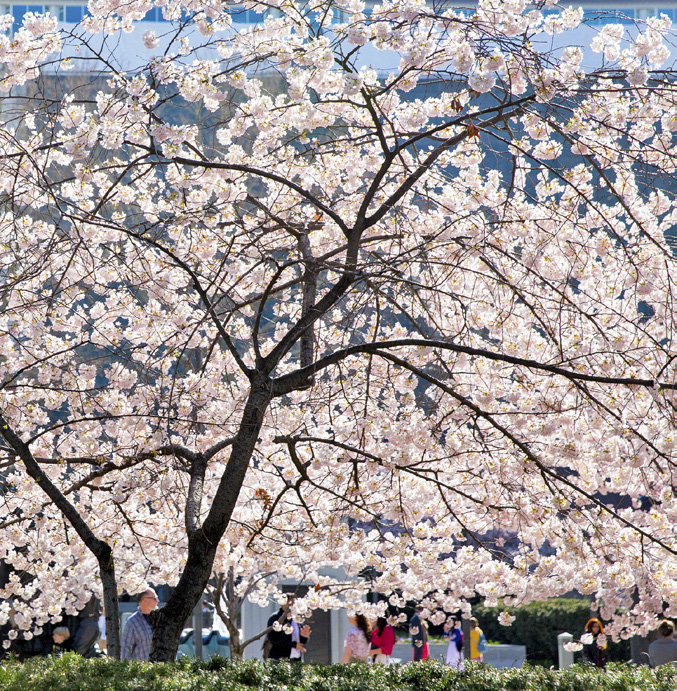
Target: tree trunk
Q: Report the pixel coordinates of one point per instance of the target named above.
(111, 608)
(172, 617)
(235, 645)
(203, 542)
(226, 593)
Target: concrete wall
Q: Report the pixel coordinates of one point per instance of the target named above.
(330, 628)
(499, 656)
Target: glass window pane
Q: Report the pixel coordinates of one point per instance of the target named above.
(18, 12)
(73, 14)
(626, 16)
(600, 16)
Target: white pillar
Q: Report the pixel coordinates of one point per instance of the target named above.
(565, 657)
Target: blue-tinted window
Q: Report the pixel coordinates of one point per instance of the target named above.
(18, 12)
(671, 13)
(238, 15)
(621, 16)
(627, 16)
(74, 13)
(154, 15)
(242, 16)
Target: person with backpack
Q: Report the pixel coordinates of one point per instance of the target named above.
(478, 643)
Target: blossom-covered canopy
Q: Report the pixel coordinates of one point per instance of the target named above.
(382, 289)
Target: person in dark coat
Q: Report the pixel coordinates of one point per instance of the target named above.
(419, 636)
(86, 631)
(289, 642)
(61, 637)
(593, 650)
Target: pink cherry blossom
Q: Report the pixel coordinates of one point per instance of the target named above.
(296, 301)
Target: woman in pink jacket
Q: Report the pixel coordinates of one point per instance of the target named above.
(382, 641)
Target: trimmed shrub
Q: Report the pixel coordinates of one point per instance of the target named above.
(538, 624)
(73, 673)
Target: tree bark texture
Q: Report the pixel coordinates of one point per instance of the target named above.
(203, 542)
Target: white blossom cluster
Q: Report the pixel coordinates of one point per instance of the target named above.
(448, 287)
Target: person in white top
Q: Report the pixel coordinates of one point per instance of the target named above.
(358, 640)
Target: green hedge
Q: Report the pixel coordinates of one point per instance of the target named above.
(73, 673)
(537, 625)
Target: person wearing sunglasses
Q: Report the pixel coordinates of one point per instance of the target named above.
(138, 632)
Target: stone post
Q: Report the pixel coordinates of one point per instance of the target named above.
(565, 657)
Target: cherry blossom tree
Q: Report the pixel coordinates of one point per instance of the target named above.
(261, 296)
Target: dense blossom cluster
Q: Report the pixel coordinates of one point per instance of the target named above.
(418, 322)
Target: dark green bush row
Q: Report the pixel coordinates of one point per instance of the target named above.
(72, 673)
(537, 625)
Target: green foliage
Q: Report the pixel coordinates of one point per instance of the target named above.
(537, 625)
(72, 673)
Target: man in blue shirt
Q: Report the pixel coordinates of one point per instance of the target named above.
(663, 650)
(138, 633)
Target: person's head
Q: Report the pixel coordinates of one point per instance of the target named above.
(381, 623)
(61, 634)
(457, 623)
(148, 600)
(474, 623)
(362, 624)
(666, 629)
(286, 606)
(594, 626)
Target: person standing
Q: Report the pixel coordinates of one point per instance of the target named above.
(664, 649)
(454, 656)
(138, 632)
(419, 636)
(358, 641)
(289, 642)
(86, 633)
(102, 632)
(594, 643)
(476, 641)
(382, 641)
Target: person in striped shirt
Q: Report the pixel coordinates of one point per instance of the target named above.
(138, 632)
